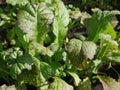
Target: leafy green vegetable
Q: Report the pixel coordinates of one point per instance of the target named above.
(17, 65)
(33, 21)
(37, 50)
(59, 31)
(59, 84)
(99, 23)
(19, 2)
(85, 84)
(22, 40)
(40, 49)
(79, 36)
(107, 45)
(89, 49)
(60, 23)
(46, 71)
(110, 30)
(114, 56)
(75, 76)
(27, 77)
(74, 46)
(109, 83)
(74, 49)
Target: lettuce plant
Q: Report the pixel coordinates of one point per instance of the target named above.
(37, 52)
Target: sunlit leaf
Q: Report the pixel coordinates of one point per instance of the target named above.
(19, 2)
(45, 87)
(63, 12)
(5, 87)
(60, 84)
(75, 76)
(89, 49)
(107, 46)
(74, 46)
(59, 31)
(115, 57)
(109, 83)
(33, 20)
(40, 49)
(60, 23)
(110, 30)
(99, 23)
(75, 54)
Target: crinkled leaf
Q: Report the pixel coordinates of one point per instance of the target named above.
(75, 76)
(109, 83)
(33, 20)
(74, 53)
(60, 23)
(17, 65)
(85, 84)
(74, 46)
(84, 16)
(40, 49)
(59, 84)
(19, 2)
(75, 14)
(63, 12)
(59, 31)
(98, 23)
(89, 49)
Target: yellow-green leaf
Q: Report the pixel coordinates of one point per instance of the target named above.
(59, 84)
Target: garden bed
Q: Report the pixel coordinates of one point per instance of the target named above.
(59, 45)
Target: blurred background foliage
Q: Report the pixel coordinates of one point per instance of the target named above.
(88, 4)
